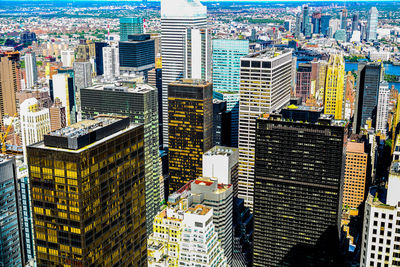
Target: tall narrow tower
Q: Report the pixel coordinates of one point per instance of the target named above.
(176, 17)
(372, 25)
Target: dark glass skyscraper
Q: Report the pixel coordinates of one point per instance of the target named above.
(221, 123)
(299, 168)
(369, 78)
(325, 24)
(189, 129)
(99, 57)
(137, 54)
(88, 191)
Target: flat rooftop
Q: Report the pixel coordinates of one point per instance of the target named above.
(221, 150)
(122, 87)
(199, 210)
(190, 82)
(355, 147)
(268, 54)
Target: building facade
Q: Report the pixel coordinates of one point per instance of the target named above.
(303, 81)
(176, 17)
(372, 24)
(130, 26)
(88, 191)
(111, 62)
(226, 77)
(189, 129)
(30, 70)
(140, 104)
(57, 115)
(355, 176)
(299, 170)
(265, 86)
(137, 54)
(382, 110)
(334, 87)
(198, 54)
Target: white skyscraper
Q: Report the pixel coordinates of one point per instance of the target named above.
(372, 25)
(176, 17)
(381, 236)
(111, 62)
(31, 70)
(198, 54)
(35, 122)
(67, 58)
(383, 107)
(265, 85)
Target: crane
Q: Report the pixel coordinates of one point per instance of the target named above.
(3, 136)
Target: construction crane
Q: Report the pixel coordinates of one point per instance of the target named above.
(3, 136)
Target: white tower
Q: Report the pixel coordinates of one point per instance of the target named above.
(31, 70)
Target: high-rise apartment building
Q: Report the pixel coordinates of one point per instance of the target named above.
(184, 233)
(219, 197)
(137, 54)
(130, 26)
(9, 83)
(88, 191)
(265, 86)
(372, 25)
(57, 115)
(11, 251)
(380, 235)
(176, 17)
(334, 87)
(382, 111)
(35, 123)
(221, 163)
(30, 70)
(139, 103)
(355, 176)
(226, 77)
(298, 28)
(198, 53)
(299, 170)
(189, 129)
(368, 82)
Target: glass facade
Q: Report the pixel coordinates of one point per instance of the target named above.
(10, 240)
(190, 114)
(140, 104)
(89, 203)
(299, 170)
(226, 77)
(129, 26)
(138, 54)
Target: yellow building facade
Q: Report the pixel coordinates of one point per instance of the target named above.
(334, 87)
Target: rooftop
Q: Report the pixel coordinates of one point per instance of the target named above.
(354, 147)
(199, 210)
(191, 82)
(395, 167)
(221, 150)
(123, 86)
(269, 53)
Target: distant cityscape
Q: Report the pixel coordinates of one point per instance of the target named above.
(206, 134)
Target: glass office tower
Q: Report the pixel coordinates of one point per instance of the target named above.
(129, 26)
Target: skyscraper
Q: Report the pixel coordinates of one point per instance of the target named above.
(11, 250)
(226, 77)
(265, 85)
(343, 19)
(130, 26)
(35, 123)
(382, 108)
(9, 83)
(30, 69)
(380, 236)
(140, 104)
(355, 22)
(67, 58)
(137, 54)
(63, 89)
(198, 53)
(368, 81)
(299, 171)
(334, 87)
(355, 177)
(372, 25)
(316, 22)
(325, 19)
(176, 17)
(82, 79)
(221, 124)
(306, 25)
(88, 187)
(190, 129)
(111, 62)
(99, 57)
